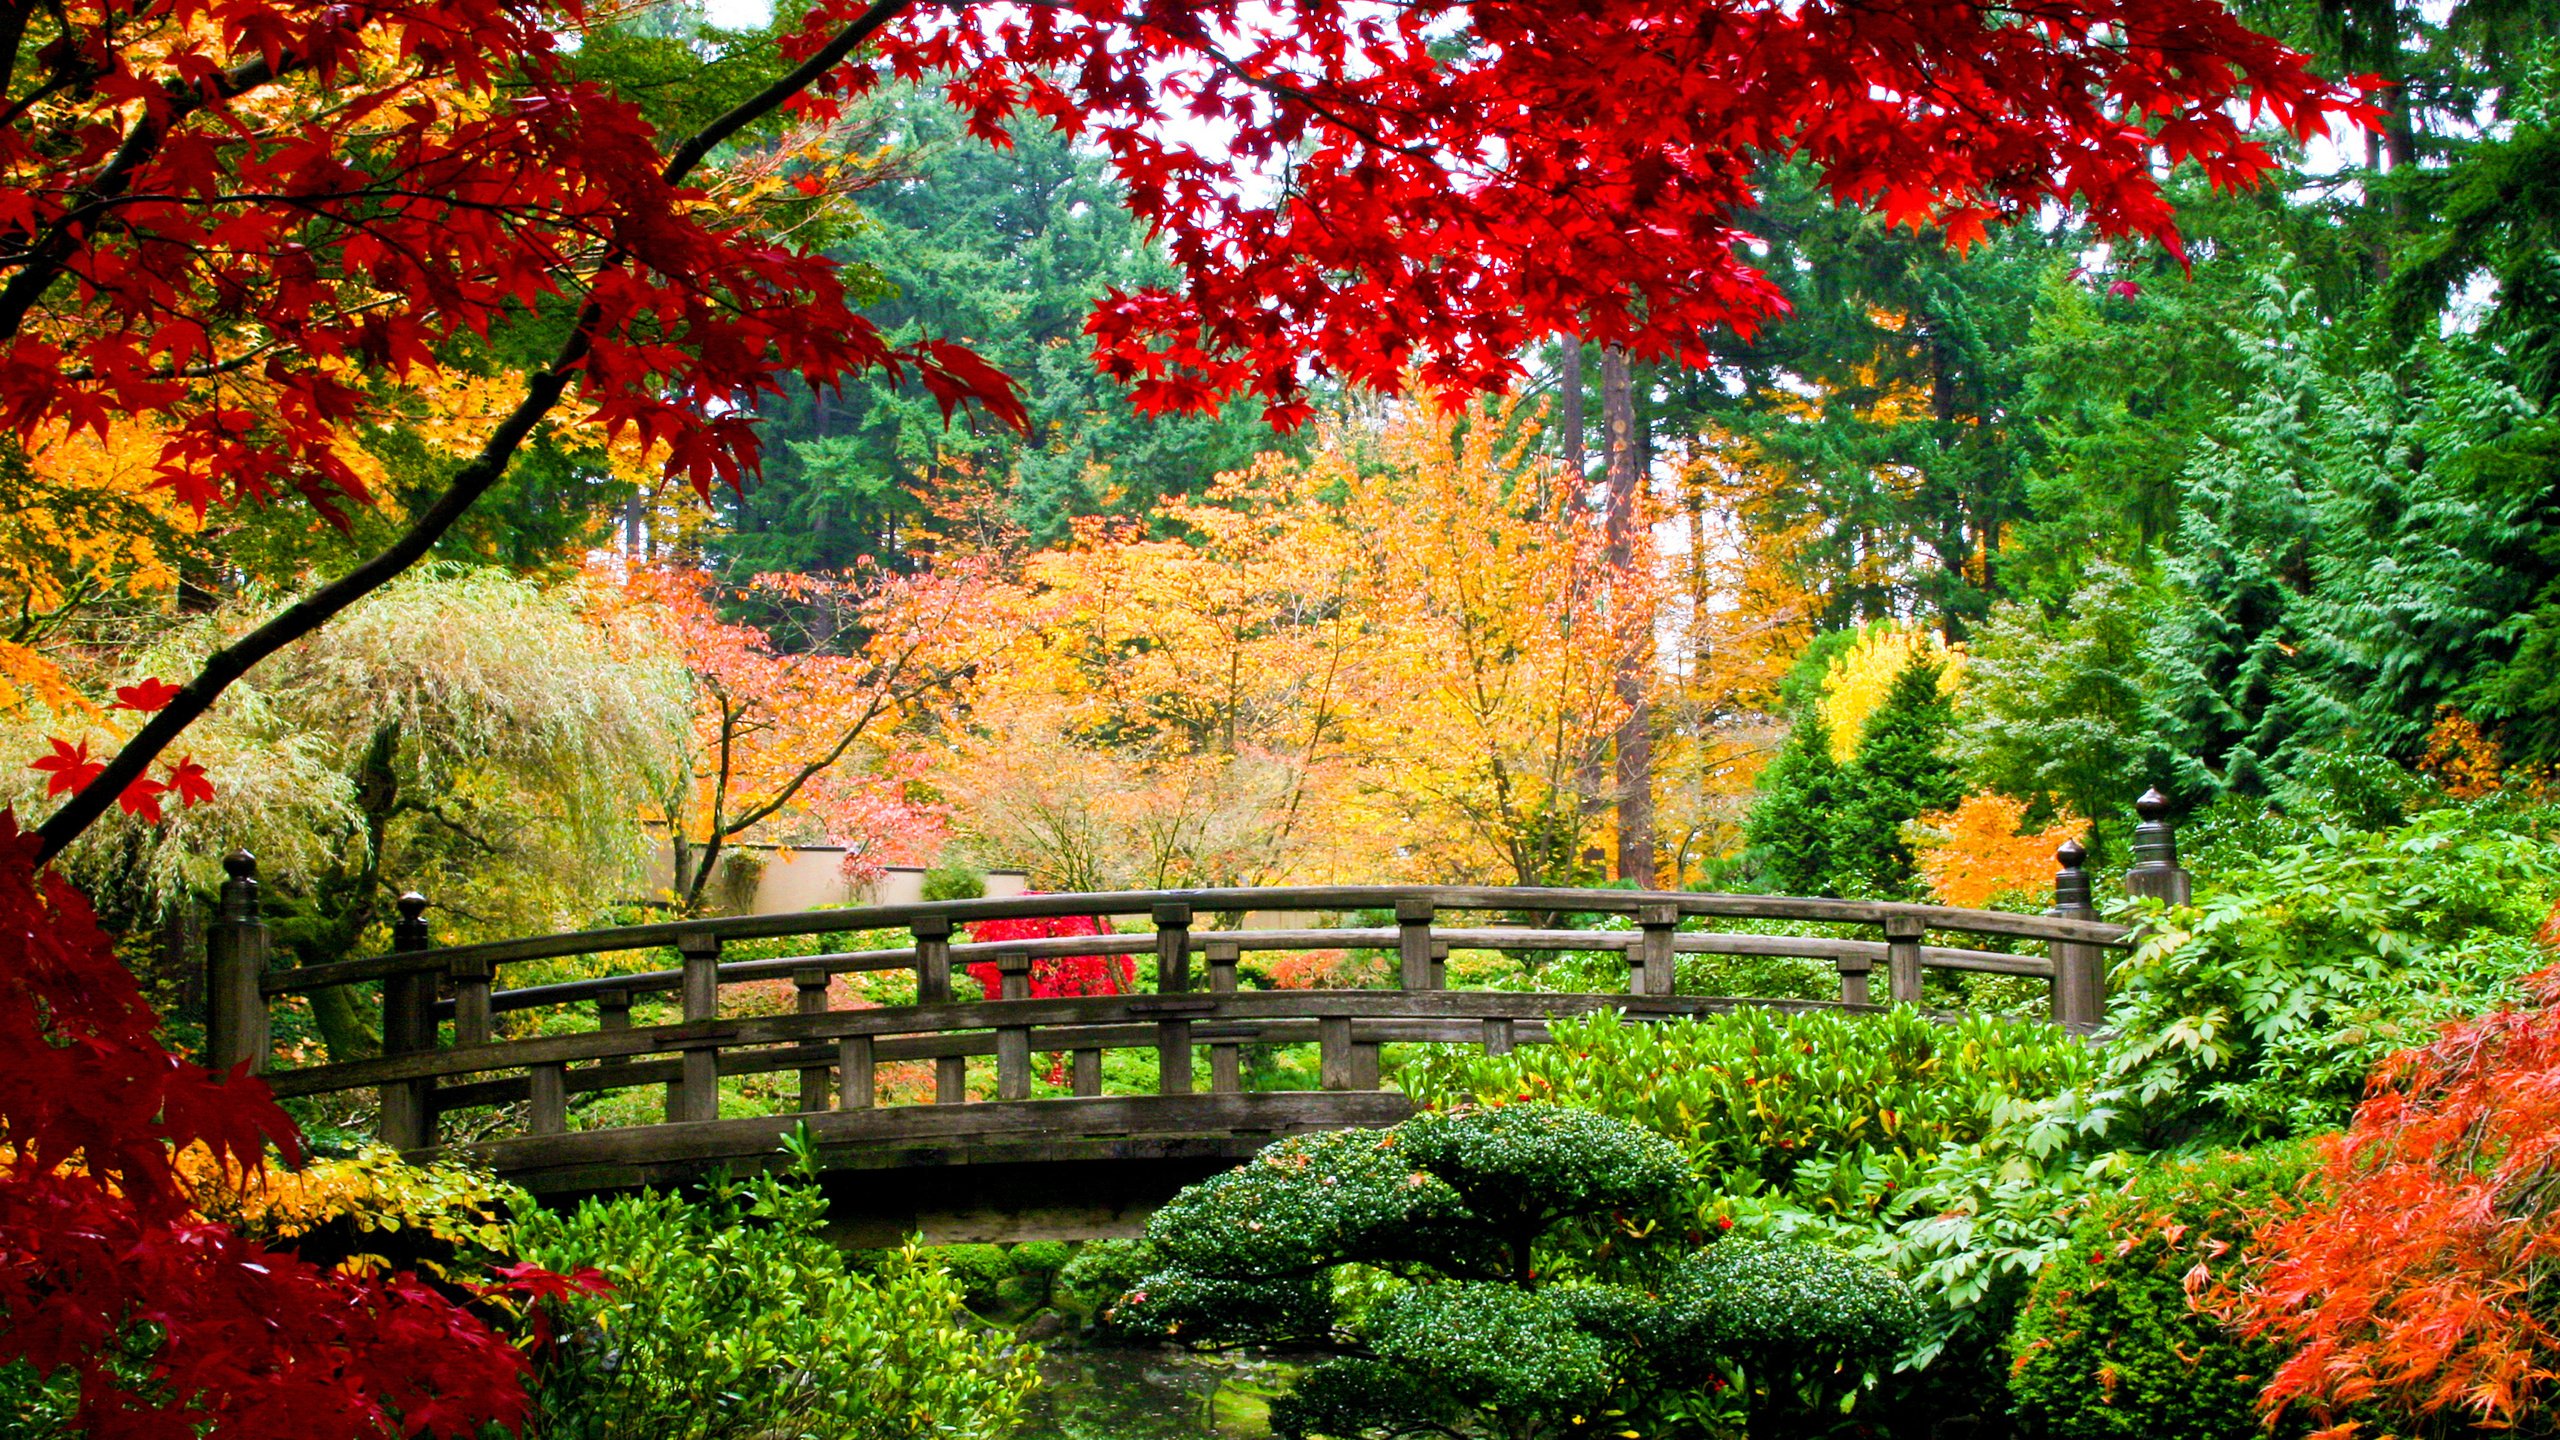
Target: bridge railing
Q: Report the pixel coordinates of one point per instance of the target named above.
(443, 1051)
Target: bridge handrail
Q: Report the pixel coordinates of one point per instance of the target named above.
(732, 972)
(1689, 904)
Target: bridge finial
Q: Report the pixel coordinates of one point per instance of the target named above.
(2156, 873)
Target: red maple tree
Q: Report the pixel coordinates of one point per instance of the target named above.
(255, 225)
(1053, 976)
(176, 1328)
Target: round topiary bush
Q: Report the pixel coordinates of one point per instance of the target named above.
(2111, 1346)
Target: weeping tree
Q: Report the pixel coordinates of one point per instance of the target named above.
(1499, 1271)
(465, 732)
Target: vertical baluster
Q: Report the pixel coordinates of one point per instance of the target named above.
(1439, 964)
(549, 1087)
(1173, 977)
(1499, 1037)
(1085, 1067)
(696, 1095)
(2156, 873)
(933, 987)
(1902, 957)
(1655, 972)
(1365, 1066)
(854, 1064)
(1013, 1042)
(473, 1019)
(809, 988)
(2079, 972)
(1413, 943)
(408, 1028)
(235, 959)
(1854, 970)
(1226, 1058)
(1334, 1063)
(613, 1012)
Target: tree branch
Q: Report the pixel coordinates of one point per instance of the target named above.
(483, 471)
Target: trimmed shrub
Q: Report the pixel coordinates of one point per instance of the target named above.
(2110, 1345)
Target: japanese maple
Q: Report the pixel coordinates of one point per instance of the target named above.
(1054, 975)
(174, 1326)
(2419, 1283)
(256, 226)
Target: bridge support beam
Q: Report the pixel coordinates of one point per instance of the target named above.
(933, 987)
(408, 1027)
(1413, 943)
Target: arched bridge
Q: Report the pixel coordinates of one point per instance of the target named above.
(1010, 1145)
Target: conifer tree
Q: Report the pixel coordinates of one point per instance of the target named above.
(1788, 834)
(1901, 771)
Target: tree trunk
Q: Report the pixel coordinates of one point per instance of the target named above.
(1577, 458)
(1635, 733)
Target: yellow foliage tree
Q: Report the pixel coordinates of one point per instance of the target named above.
(1861, 676)
(1979, 851)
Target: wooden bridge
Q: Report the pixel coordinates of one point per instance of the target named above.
(504, 1074)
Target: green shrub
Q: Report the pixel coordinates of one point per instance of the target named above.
(1481, 1269)
(2258, 1013)
(1101, 1271)
(976, 1269)
(1041, 1257)
(731, 1316)
(2109, 1347)
(1825, 1111)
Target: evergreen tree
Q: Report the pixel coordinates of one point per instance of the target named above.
(1004, 250)
(1900, 771)
(1788, 833)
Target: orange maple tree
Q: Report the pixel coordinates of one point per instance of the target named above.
(781, 724)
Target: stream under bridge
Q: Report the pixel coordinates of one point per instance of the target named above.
(615, 1079)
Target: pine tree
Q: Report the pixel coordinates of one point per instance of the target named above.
(1901, 771)
(1788, 833)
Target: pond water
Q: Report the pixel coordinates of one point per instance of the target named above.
(1112, 1394)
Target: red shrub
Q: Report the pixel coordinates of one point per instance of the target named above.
(1057, 976)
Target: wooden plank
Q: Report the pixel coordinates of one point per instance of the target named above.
(1336, 1067)
(1026, 1131)
(548, 1087)
(855, 1073)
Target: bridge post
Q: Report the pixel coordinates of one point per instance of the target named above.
(933, 987)
(1439, 964)
(2156, 874)
(409, 1026)
(809, 989)
(2079, 971)
(1902, 957)
(473, 1020)
(1500, 1037)
(613, 1012)
(696, 1094)
(235, 962)
(1013, 1042)
(1226, 1058)
(1334, 1070)
(1413, 944)
(855, 1074)
(1173, 976)
(1656, 974)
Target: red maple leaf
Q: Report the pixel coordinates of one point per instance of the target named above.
(70, 766)
(142, 798)
(151, 694)
(188, 779)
